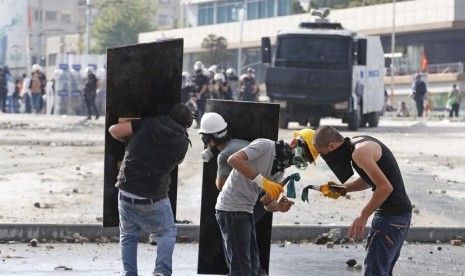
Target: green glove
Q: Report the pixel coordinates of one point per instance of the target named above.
(291, 185)
(271, 188)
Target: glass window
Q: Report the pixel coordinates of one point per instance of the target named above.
(284, 7)
(252, 10)
(262, 9)
(222, 14)
(52, 59)
(312, 52)
(270, 8)
(205, 14)
(66, 17)
(51, 16)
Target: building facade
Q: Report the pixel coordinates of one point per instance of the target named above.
(424, 31)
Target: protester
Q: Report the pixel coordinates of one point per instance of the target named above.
(156, 145)
(378, 170)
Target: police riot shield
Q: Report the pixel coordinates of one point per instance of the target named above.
(142, 80)
(248, 121)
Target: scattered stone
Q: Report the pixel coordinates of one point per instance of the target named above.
(439, 248)
(443, 191)
(76, 191)
(330, 245)
(184, 239)
(348, 196)
(33, 242)
(37, 204)
(416, 211)
(358, 266)
(351, 262)
(63, 267)
(456, 242)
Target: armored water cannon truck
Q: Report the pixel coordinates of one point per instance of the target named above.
(324, 70)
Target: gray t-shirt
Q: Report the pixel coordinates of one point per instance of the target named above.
(233, 145)
(239, 193)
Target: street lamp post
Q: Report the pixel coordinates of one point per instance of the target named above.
(241, 13)
(393, 46)
(88, 14)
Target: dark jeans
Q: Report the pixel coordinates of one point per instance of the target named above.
(239, 240)
(454, 109)
(89, 98)
(387, 235)
(420, 106)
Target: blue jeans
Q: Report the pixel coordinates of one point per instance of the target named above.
(36, 98)
(240, 242)
(387, 235)
(152, 218)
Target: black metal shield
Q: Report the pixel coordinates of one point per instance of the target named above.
(142, 80)
(248, 121)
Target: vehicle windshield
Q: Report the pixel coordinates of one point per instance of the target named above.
(313, 52)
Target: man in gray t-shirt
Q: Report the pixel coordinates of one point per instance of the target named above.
(256, 168)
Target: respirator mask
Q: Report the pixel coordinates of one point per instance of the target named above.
(299, 160)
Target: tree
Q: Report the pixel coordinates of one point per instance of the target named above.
(120, 22)
(216, 47)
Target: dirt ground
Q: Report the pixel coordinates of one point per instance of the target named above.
(51, 171)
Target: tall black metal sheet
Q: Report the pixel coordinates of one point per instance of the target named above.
(142, 80)
(248, 121)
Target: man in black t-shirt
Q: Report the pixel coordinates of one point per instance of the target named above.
(378, 170)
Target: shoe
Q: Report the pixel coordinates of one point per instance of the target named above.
(88, 118)
(157, 274)
(96, 117)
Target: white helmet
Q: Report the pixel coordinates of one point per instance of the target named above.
(89, 69)
(230, 71)
(205, 72)
(198, 65)
(36, 67)
(212, 123)
(219, 77)
(213, 69)
(186, 75)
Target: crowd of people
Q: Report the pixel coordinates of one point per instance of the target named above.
(22, 94)
(216, 83)
(27, 93)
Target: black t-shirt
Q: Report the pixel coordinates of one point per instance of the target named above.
(398, 201)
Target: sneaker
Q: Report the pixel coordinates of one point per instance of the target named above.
(157, 274)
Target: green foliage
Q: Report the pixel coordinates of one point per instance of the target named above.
(296, 8)
(216, 47)
(120, 21)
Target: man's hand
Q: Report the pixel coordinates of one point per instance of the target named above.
(333, 190)
(285, 204)
(357, 228)
(271, 188)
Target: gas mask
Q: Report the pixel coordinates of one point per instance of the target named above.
(208, 153)
(340, 161)
(298, 160)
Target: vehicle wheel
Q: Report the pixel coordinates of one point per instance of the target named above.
(283, 121)
(373, 119)
(363, 120)
(354, 120)
(315, 122)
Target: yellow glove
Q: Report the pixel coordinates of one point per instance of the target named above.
(271, 188)
(333, 190)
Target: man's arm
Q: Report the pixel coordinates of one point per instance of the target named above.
(239, 162)
(121, 131)
(220, 182)
(366, 156)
